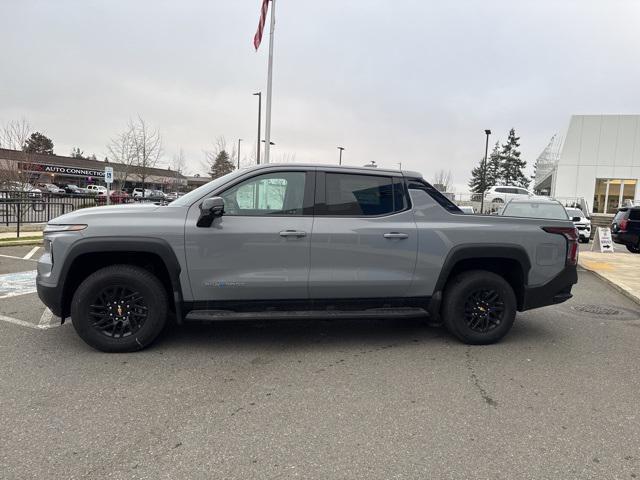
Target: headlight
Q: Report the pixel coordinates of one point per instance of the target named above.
(52, 227)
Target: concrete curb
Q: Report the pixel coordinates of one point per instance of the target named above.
(16, 243)
(615, 286)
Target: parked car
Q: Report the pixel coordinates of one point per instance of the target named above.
(142, 193)
(75, 190)
(118, 196)
(27, 188)
(544, 208)
(171, 196)
(54, 189)
(582, 223)
(502, 194)
(157, 195)
(468, 209)
(301, 241)
(625, 228)
(97, 189)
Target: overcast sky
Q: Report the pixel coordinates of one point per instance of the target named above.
(405, 81)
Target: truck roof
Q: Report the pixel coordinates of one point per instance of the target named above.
(368, 170)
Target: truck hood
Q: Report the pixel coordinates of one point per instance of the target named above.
(96, 214)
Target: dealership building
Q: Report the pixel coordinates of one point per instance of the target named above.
(39, 169)
(598, 161)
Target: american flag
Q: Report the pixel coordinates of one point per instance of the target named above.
(257, 38)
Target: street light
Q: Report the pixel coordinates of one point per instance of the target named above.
(484, 170)
(239, 140)
(340, 160)
(270, 143)
(259, 94)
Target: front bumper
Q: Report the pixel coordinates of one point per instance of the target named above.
(556, 290)
(51, 297)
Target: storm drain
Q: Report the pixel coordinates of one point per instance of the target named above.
(596, 309)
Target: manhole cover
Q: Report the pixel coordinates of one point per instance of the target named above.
(596, 309)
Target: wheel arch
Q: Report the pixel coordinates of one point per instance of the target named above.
(87, 255)
(507, 260)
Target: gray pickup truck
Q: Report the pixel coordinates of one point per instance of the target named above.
(300, 241)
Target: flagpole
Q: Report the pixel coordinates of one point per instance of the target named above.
(267, 127)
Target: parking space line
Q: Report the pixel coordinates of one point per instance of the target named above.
(22, 323)
(30, 254)
(19, 258)
(46, 317)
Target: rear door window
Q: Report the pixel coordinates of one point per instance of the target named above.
(361, 195)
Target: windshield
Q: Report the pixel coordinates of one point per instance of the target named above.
(194, 195)
(535, 210)
(574, 212)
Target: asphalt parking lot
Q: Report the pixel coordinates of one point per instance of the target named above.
(558, 398)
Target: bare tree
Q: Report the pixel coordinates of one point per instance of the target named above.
(120, 150)
(442, 180)
(178, 164)
(147, 148)
(14, 134)
(138, 149)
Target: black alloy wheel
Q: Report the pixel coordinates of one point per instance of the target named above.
(478, 307)
(118, 312)
(121, 308)
(483, 310)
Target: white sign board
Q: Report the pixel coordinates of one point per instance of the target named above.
(108, 175)
(602, 241)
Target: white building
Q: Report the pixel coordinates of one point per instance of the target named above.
(599, 161)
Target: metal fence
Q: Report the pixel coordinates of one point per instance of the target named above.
(22, 207)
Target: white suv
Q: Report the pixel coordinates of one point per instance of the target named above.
(503, 194)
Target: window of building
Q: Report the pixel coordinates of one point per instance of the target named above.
(611, 193)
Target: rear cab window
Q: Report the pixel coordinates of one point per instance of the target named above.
(420, 184)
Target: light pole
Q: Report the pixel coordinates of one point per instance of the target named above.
(259, 94)
(340, 159)
(239, 140)
(484, 170)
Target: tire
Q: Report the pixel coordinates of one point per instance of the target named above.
(468, 296)
(633, 248)
(108, 291)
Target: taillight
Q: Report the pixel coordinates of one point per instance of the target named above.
(571, 234)
(622, 225)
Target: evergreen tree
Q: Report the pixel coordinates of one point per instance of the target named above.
(221, 165)
(494, 167)
(512, 166)
(479, 183)
(38, 143)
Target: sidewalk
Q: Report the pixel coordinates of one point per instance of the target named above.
(620, 270)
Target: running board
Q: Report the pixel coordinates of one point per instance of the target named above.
(218, 315)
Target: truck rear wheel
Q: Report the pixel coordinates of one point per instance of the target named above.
(479, 307)
(121, 308)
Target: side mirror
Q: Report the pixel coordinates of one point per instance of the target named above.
(575, 219)
(209, 210)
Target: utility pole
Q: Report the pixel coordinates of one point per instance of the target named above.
(239, 140)
(259, 94)
(484, 171)
(267, 130)
(340, 159)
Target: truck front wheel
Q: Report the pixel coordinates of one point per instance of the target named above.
(479, 307)
(121, 308)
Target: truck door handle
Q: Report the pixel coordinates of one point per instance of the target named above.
(293, 233)
(396, 235)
